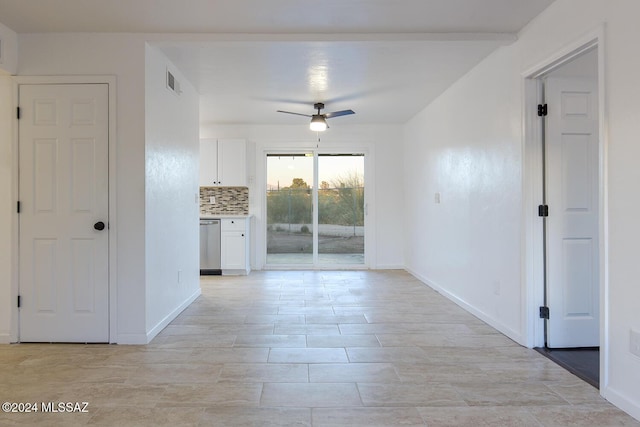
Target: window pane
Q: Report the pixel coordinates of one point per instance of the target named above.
(289, 209)
(341, 209)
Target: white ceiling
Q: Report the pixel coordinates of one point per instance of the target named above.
(385, 59)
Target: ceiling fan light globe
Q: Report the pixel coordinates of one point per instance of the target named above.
(318, 124)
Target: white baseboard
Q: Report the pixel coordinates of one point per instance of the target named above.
(627, 405)
(132, 339)
(169, 318)
(389, 267)
(137, 339)
(5, 338)
(505, 330)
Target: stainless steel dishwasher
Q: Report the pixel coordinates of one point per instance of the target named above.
(210, 247)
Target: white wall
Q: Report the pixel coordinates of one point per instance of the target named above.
(9, 53)
(121, 55)
(172, 194)
(8, 63)
(385, 142)
(468, 145)
(7, 207)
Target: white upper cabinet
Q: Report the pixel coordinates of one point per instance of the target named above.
(208, 162)
(232, 163)
(223, 162)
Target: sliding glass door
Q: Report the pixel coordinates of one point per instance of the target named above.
(341, 209)
(315, 209)
(290, 209)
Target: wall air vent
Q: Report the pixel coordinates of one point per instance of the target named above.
(173, 84)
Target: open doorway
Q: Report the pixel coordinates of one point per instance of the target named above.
(570, 179)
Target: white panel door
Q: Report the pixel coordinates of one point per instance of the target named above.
(572, 226)
(64, 200)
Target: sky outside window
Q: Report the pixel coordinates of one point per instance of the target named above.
(282, 169)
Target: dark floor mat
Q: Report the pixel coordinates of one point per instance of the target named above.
(582, 362)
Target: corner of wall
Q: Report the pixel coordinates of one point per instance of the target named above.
(171, 192)
(8, 50)
(516, 336)
(157, 328)
(622, 401)
(7, 215)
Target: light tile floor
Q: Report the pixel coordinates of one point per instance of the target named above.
(350, 348)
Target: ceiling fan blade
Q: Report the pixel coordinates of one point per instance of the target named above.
(339, 113)
(297, 114)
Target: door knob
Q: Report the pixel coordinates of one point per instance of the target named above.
(99, 226)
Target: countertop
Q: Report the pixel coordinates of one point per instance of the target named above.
(226, 216)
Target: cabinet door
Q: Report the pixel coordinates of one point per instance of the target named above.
(233, 250)
(232, 162)
(208, 162)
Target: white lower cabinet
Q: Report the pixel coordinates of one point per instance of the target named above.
(234, 246)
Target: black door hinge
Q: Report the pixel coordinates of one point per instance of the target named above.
(543, 211)
(19, 301)
(19, 206)
(544, 312)
(542, 110)
(18, 113)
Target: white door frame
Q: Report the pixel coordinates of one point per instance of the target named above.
(533, 250)
(110, 81)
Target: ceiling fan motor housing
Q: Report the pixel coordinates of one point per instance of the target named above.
(318, 123)
(319, 120)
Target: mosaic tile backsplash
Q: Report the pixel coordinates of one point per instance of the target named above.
(228, 201)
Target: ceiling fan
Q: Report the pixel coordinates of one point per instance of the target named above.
(319, 120)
